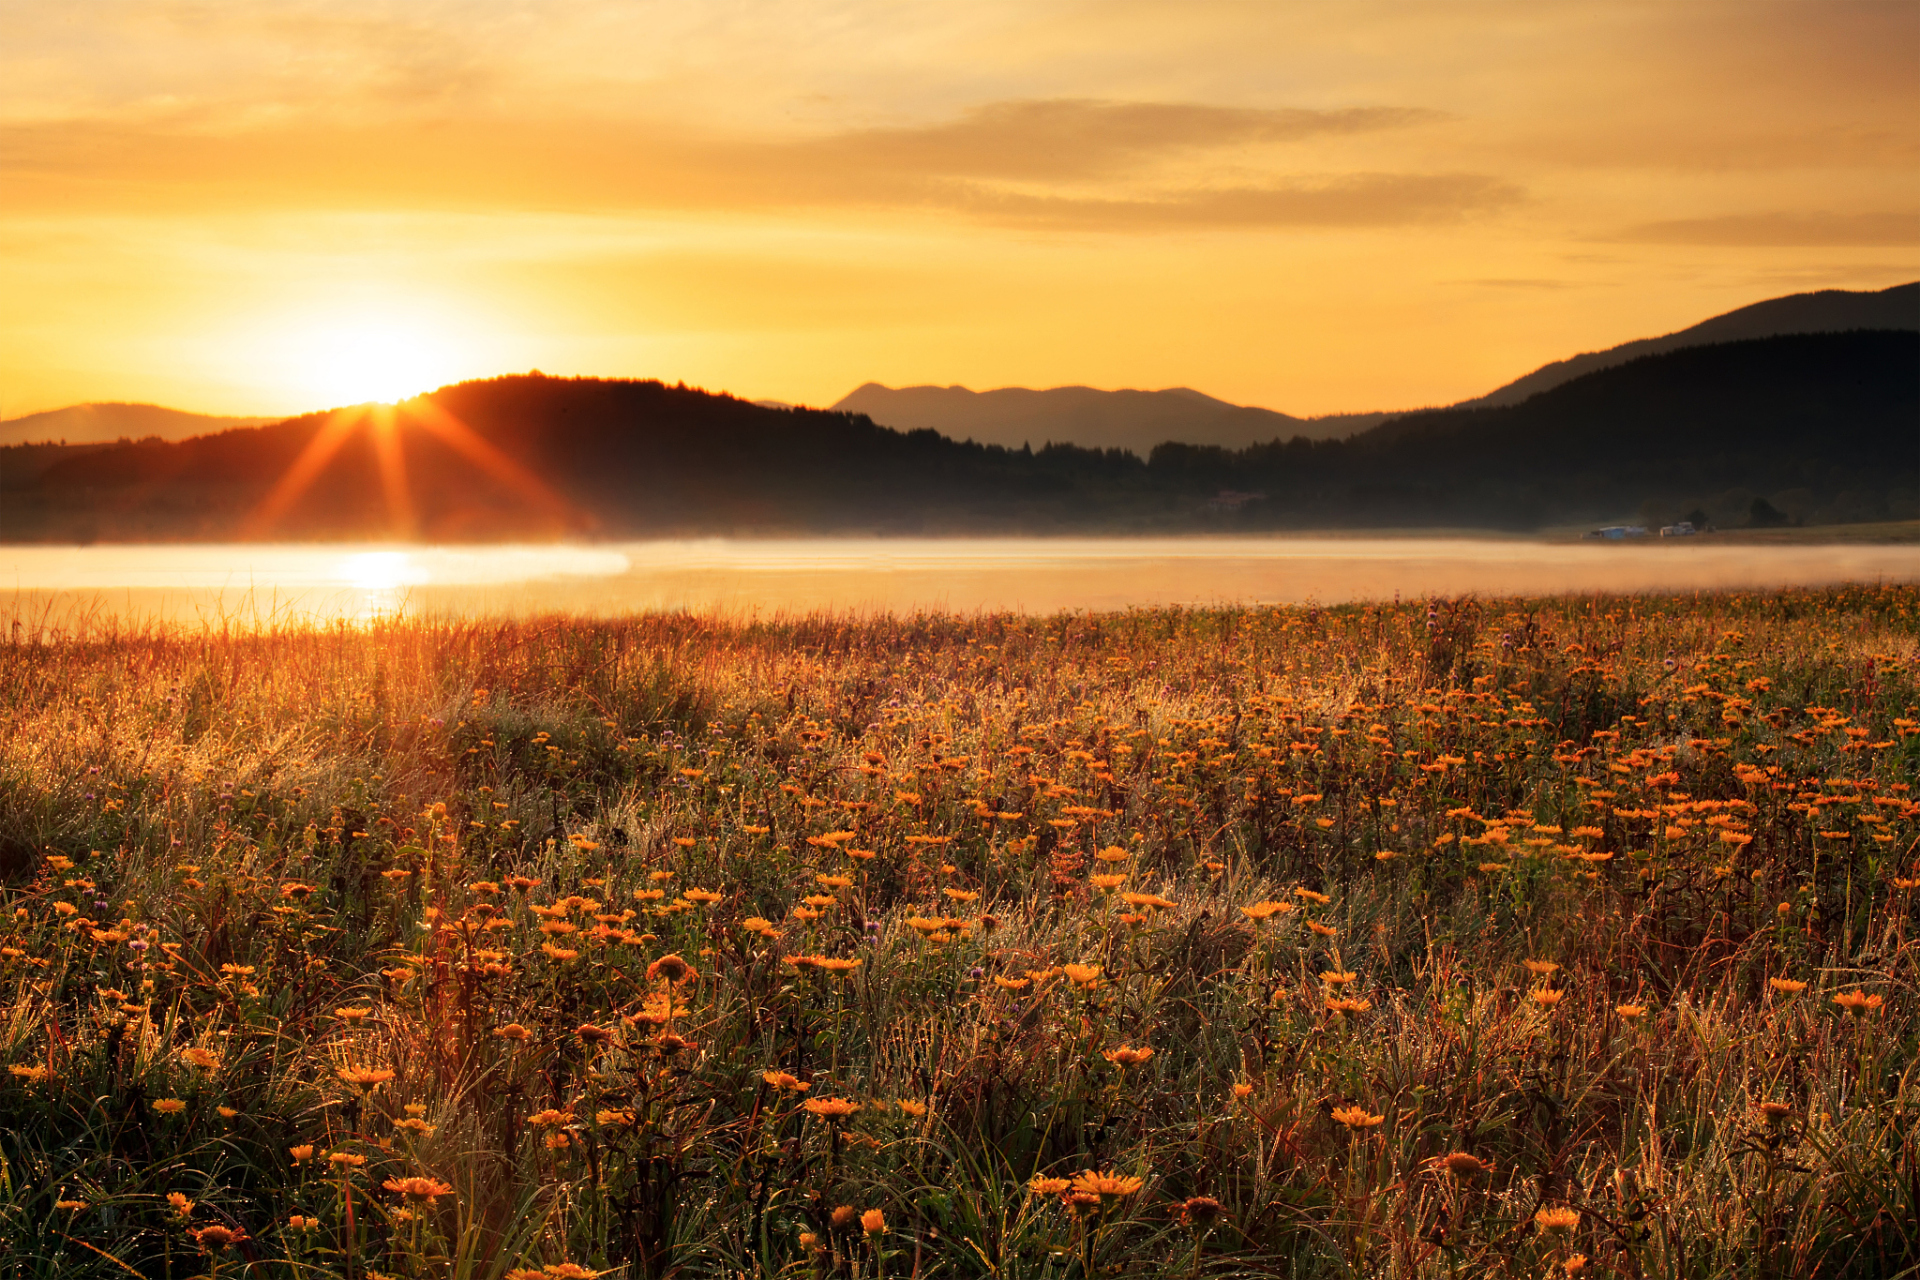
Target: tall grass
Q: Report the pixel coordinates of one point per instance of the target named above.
(1503, 938)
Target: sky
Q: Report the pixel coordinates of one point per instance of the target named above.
(287, 205)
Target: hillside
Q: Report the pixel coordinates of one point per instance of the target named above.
(106, 423)
(1821, 425)
(1827, 311)
(1131, 420)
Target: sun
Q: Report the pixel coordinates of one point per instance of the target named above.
(361, 360)
(341, 351)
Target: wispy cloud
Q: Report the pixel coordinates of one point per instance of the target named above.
(1071, 138)
(1784, 230)
(1068, 164)
(1354, 200)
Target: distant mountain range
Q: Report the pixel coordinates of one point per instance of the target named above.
(1822, 427)
(1127, 419)
(105, 423)
(1133, 420)
(1139, 420)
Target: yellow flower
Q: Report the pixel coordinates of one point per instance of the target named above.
(216, 1237)
(1545, 997)
(1082, 974)
(832, 1109)
(784, 1082)
(1787, 986)
(1356, 1117)
(1104, 1185)
(672, 968)
(873, 1222)
(365, 1078)
(1858, 1001)
(201, 1058)
(169, 1106)
(1540, 968)
(1631, 1011)
(1128, 1057)
(1557, 1218)
(427, 1189)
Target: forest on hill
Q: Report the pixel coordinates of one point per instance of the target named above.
(1820, 426)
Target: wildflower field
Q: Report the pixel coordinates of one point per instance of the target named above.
(1486, 937)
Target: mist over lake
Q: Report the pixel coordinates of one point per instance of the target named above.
(265, 584)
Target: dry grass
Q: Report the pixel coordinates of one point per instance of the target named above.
(356, 944)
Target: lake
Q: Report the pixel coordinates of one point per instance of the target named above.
(63, 589)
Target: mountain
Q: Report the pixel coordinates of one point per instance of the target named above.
(1828, 311)
(1139, 420)
(104, 423)
(1822, 426)
(1132, 420)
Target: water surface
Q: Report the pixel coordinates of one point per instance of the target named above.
(61, 588)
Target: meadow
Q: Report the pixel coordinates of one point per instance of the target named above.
(1549, 937)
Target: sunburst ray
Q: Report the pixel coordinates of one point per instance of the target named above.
(484, 454)
(299, 477)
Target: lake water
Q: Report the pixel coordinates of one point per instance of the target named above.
(67, 588)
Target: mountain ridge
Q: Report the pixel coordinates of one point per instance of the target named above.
(105, 421)
(1820, 425)
(1818, 311)
(1126, 418)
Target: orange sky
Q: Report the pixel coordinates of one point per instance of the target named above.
(279, 206)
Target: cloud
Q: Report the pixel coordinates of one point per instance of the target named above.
(1065, 164)
(1068, 138)
(1356, 200)
(1782, 230)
